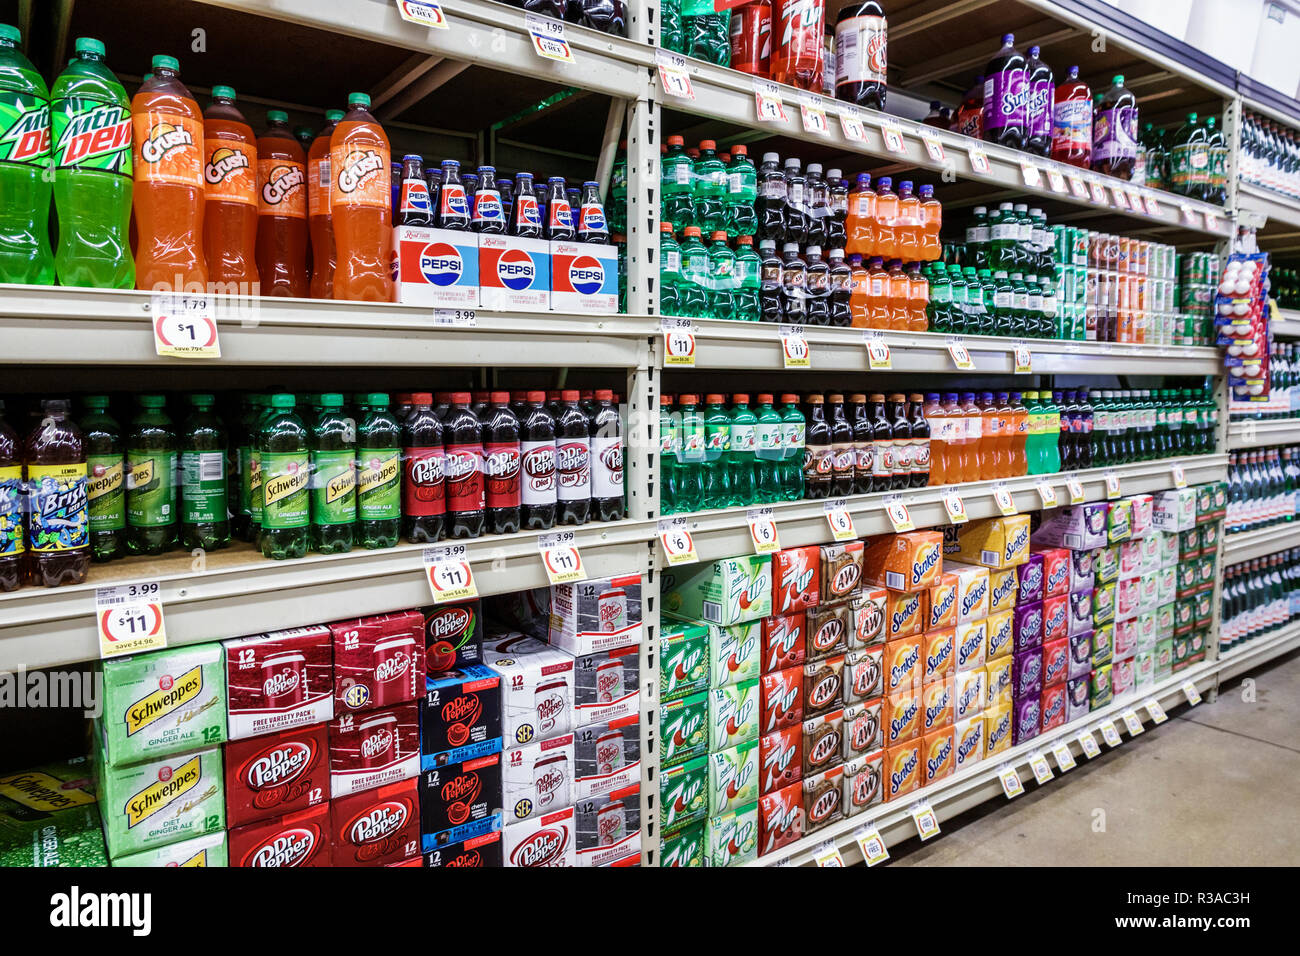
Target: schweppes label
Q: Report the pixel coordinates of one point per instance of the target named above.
(197, 860)
(375, 474)
(340, 486)
(110, 480)
(42, 792)
(284, 484)
(162, 793)
(142, 473)
(161, 703)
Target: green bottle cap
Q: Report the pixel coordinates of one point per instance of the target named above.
(331, 400)
(223, 93)
(1118, 79)
(282, 400)
(89, 45)
(277, 116)
(163, 62)
(377, 399)
(333, 116)
(202, 399)
(359, 99)
(146, 78)
(153, 401)
(96, 402)
(10, 34)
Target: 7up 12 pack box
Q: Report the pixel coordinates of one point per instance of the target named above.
(731, 839)
(725, 592)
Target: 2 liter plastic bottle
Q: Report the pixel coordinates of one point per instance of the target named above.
(25, 254)
(285, 461)
(361, 205)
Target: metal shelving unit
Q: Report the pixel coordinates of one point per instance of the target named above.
(1238, 660)
(1285, 324)
(1246, 545)
(1253, 434)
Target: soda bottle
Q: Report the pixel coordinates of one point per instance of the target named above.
(361, 205)
(747, 280)
(525, 213)
(860, 54)
(677, 184)
(931, 222)
(204, 519)
(1189, 158)
(969, 119)
(91, 118)
(843, 449)
(105, 488)
(740, 460)
(248, 517)
(670, 455)
(897, 290)
(841, 289)
(463, 468)
(1004, 118)
(715, 477)
(396, 183)
(885, 219)
(860, 220)
(817, 288)
(794, 277)
(333, 457)
(424, 503)
(25, 173)
(415, 207)
(900, 444)
(169, 183)
(707, 36)
(670, 272)
(793, 431)
(592, 226)
(838, 198)
(920, 431)
(907, 231)
(13, 543)
(537, 464)
(1039, 106)
(1072, 122)
(751, 38)
(608, 495)
(878, 312)
(320, 222)
(282, 210)
(379, 473)
(1217, 189)
(710, 189)
(486, 212)
(864, 449)
(501, 465)
(742, 193)
(918, 297)
(286, 481)
(559, 213)
(151, 474)
(1018, 462)
(573, 461)
(1114, 131)
(940, 432)
(770, 203)
(768, 453)
(1051, 448)
(882, 444)
(819, 206)
(797, 47)
(818, 458)
(695, 296)
(722, 279)
(607, 16)
(859, 291)
(58, 522)
(796, 203)
(771, 283)
(453, 201)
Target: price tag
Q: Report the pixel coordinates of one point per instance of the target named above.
(424, 12)
(679, 341)
(679, 546)
(899, 516)
(1004, 500)
(814, 116)
(1097, 193)
(1135, 200)
(449, 574)
(1089, 744)
(794, 347)
(933, 147)
(673, 74)
(1189, 214)
(1179, 476)
(1029, 172)
(1064, 759)
(1075, 487)
(130, 619)
(762, 530)
(1010, 781)
(1133, 722)
(841, 522)
(892, 134)
(828, 854)
(878, 357)
(871, 844)
(560, 557)
(1042, 770)
(1110, 734)
(549, 40)
(1121, 199)
(1112, 485)
(927, 824)
(960, 355)
(852, 128)
(1153, 207)
(1046, 493)
(1078, 187)
(1157, 712)
(1211, 221)
(183, 326)
(1193, 695)
(979, 160)
(1024, 359)
(955, 507)
(455, 318)
(1056, 180)
(767, 102)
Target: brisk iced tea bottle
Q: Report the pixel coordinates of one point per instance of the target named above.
(230, 190)
(169, 190)
(106, 481)
(151, 501)
(361, 204)
(320, 222)
(281, 210)
(58, 530)
(204, 519)
(424, 502)
(286, 479)
(379, 474)
(12, 541)
(333, 456)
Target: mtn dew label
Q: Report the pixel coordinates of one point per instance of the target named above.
(25, 121)
(91, 134)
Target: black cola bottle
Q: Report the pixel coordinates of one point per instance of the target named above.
(606, 458)
(462, 437)
(424, 492)
(501, 460)
(572, 461)
(537, 464)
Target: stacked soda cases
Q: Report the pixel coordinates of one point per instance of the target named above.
(1260, 597)
(49, 816)
(1241, 313)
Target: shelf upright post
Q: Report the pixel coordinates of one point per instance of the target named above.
(1232, 126)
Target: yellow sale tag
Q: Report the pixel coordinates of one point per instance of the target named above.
(548, 36)
(899, 516)
(871, 844)
(955, 507)
(1024, 360)
(892, 134)
(129, 618)
(1155, 710)
(1193, 695)
(1075, 487)
(679, 546)
(1179, 475)
(794, 347)
(183, 326)
(979, 160)
(1112, 485)
(1010, 780)
(927, 824)
(560, 557)
(960, 355)
(1110, 734)
(1064, 759)
(762, 530)
(1133, 722)
(1089, 744)
(1056, 180)
(423, 12)
(1042, 770)
(449, 574)
(1003, 498)
(841, 522)
(828, 854)
(878, 357)
(1046, 493)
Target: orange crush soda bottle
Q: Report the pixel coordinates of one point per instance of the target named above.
(230, 206)
(281, 210)
(974, 437)
(938, 439)
(931, 222)
(859, 292)
(886, 218)
(169, 197)
(878, 299)
(361, 203)
(860, 225)
(955, 428)
(918, 297)
(907, 234)
(1020, 419)
(990, 424)
(899, 287)
(321, 224)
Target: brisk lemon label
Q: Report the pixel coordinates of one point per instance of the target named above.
(378, 488)
(162, 702)
(106, 492)
(92, 135)
(25, 120)
(59, 517)
(163, 791)
(334, 487)
(151, 488)
(285, 489)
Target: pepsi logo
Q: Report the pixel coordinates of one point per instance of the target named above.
(593, 218)
(441, 264)
(487, 206)
(586, 275)
(516, 270)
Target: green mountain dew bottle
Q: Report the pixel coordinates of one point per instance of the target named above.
(379, 474)
(25, 255)
(205, 522)
(151, 512)
(106, 480)
(91, 116)
(285, 463)
(333, 477)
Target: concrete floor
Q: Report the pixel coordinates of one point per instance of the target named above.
(1216, 784)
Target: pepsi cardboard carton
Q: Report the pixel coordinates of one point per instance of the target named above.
(514, 273)
(584, 278)
(436, 267)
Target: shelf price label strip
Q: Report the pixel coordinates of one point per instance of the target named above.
(960, 354)
(129, 619)
(762, 530)
(841, 522)
(561, 558)
(871, 844)
(449, 574)
(549, 39)
(679, 341)
(679, 546)
(673, 75)
(1004, 499)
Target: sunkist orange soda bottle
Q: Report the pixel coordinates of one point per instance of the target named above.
(899, 290)
(320, 223)
(230, 205)
(281, 210)
(859, 292)
(1020, 419)
(885, 214)
(361, 204)
(860, 224)
(169, 194)
(933, 413)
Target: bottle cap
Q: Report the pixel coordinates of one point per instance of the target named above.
(896, 397)
(377, 399)
(764, 398)
(815, 400)
(688, 399)
(790, 398)
(719, 234)
(665, 227)
(202, 398)
(331, 400)
(713, 398)
(771, 157)
(89, 45)
(500, 398)
(152, 401)
(604, 395)
(460, 398)
(739, 150)
(876, 397)
(282, 400)
(676, 141)
(163, 62)
(693, 231)
(915, 397)
(277, 116)
(333, 116)
(10, 33)
(663, 399)
(483, 170)
(417, 398)
(537, 397)
(97, 402)
(1118, 79)
(857, 398)
(740, 398)
(359, 99)
(569, 395)
(744, 240)
(835, 398)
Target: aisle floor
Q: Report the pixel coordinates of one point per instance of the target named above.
(1216, 783)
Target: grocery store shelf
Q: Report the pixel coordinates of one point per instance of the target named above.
(1253, 434)
(1246, 656)
(1267, 203)
(1285, 324)
(968, 789)
(724, 533)
(44, 325)
(239, 591)
(753, 345)
(1247, 545)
